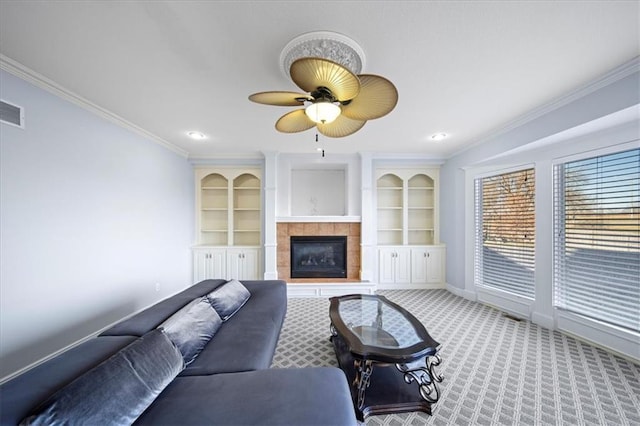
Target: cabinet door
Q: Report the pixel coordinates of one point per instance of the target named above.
(419, 262)
(386, 268)
(243, 264)
(403, 265)
(435, 265)
(250, 266)
(208, 264)
(200, 259)
(234, 264)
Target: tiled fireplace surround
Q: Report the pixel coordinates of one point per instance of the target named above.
(349, 229)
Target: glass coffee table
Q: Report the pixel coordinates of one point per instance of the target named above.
(370, 331)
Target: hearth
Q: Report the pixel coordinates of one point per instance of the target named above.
(318, 257)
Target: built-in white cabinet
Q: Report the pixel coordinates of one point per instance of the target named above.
(241, 263)
(406, 206)
(411, 267)
(395, 265)
(209, 263)
(407, 228)
(228, 223)
(427, 265)
(228, 206)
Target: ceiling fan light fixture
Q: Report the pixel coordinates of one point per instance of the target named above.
(322, 112)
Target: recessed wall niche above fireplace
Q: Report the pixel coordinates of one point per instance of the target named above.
(318, 256)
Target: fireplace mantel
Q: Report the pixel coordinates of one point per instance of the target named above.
(314, 219)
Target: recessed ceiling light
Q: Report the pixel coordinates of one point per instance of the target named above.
(196, 135)
(439, 136)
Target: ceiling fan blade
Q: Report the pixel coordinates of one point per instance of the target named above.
(294, 121)
(340, 127)
(311, 73)
(377, 97)
(279, 98)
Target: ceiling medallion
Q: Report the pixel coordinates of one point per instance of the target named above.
(326, 45)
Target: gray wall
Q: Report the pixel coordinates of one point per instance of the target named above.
(598, 101)
(92, 217)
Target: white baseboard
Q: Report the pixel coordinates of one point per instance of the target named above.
(409, 286)
(545, 321)
(469, 295)
(295, 290)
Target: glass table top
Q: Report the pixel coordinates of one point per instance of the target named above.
(375, 328)
(375, 323)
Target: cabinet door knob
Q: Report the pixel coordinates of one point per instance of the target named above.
(426, 255)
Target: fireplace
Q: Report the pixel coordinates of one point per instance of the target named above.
(318, 256)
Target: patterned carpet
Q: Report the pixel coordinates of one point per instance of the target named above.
(497, 371)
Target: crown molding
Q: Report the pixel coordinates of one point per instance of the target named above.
(618, 73)
(27, 74)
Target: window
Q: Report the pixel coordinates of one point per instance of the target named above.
(505, 232)
(597, 238)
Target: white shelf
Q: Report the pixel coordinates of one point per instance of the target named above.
(229, 206)
(406, 200)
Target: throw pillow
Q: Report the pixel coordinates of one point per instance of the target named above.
(116, 391)
(191, 328)
(229, 298)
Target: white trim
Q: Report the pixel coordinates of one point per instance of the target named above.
(314, 219)
(542, 320)
(295, 290)
(491, 171)
(21, 71)
(504, 301)
(469, 295)
(611, 149)
(411, 286)
(624, 342)
(85, 339)
(48, 357)
(610, 77)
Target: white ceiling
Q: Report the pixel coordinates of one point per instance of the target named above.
(467, 68)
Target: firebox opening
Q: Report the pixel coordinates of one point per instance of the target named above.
(319, 257)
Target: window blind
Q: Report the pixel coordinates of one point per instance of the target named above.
(505, 232)
(597, 238)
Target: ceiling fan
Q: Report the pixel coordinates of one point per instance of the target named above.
(337, 101)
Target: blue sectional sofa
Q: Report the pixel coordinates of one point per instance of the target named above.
(227, 382)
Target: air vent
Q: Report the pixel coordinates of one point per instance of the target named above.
(511, 317)
(11, 114)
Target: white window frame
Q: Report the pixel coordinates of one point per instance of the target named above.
(512, 303)
(610, 336)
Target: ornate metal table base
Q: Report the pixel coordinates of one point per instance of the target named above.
(426, 377)
(387, 389)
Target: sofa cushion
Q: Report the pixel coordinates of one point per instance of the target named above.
(300, 396)
(229, 298)
(21, 394)
(191, 328)
(248, 340)
(119, 389)
(150, 318)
